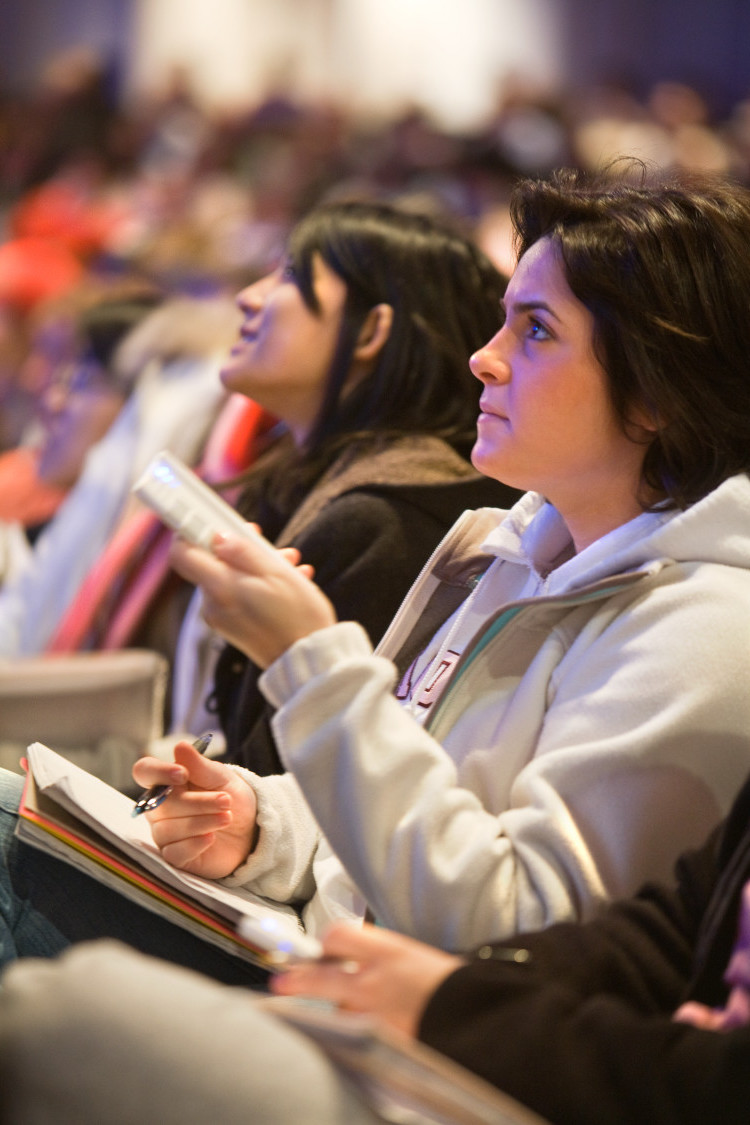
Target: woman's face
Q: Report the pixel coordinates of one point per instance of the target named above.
(546, 421)
(78, 408)
(284, 352)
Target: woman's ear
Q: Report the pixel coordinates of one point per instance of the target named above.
(644, 423)
(374, 333)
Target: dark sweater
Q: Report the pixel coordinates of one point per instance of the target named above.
(582, 1033)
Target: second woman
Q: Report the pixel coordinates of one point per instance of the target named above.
(358, 343)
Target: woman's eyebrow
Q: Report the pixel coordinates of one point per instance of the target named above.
(529, 306)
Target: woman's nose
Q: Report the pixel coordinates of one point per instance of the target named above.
(490, 363)
(253, 296)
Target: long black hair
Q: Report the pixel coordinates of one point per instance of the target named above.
(445, 296)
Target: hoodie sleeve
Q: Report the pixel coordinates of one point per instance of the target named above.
(281, 866)
(623, 743)
(584, 1058)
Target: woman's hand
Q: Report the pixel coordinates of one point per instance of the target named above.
(259, 600)
(368, 969)
(736, 1011)
(207, 823)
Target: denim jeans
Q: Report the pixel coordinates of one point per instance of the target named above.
(47, 905)
(24, 931)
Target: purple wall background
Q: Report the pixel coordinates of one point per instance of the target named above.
(703, 42)
(32, 31)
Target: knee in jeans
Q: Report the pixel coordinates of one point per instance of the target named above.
(11, 788)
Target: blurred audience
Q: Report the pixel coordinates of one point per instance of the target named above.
(196, 196)
(171, 360)
(32, 270)
(77, 395)
(200, 203)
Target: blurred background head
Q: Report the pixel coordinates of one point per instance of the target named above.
(32, 272)
(87, 390)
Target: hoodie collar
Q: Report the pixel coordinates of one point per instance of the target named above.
(714, 529)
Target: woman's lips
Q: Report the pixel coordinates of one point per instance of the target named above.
(244, 338)
(491, 412)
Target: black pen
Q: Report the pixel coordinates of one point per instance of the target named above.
(153, 797)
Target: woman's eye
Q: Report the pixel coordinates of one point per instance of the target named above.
(538, 331)
(288, 272)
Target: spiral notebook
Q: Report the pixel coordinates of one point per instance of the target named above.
(81, 820)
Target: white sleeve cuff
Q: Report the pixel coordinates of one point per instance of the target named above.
(280, 867)
(314, 655)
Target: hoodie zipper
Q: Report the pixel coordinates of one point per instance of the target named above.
(509, 612)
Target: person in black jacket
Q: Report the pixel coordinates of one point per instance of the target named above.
(641, 1015)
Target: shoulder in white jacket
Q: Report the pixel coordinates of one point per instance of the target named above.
(596, 724)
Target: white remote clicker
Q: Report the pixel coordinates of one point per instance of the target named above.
(281, 939)
(186, 503)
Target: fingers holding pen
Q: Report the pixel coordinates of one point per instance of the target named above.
(189, 767)
(149, 771)
(195, 806)
(188, 814)
(206, 824)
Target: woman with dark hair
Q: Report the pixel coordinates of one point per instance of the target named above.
(651, 268)
(358, 343)
(569, 709)
(407, 270)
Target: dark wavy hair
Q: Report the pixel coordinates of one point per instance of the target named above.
(445, 295)
(663, 265)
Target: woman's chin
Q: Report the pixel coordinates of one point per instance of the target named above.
(485, 459)
(231, 378)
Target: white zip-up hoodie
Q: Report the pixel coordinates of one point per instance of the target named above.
(595, 723)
